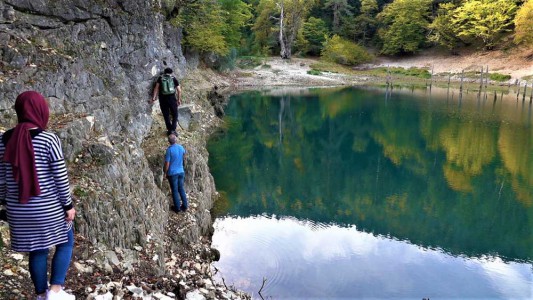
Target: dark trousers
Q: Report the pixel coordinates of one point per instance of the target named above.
(169, 108)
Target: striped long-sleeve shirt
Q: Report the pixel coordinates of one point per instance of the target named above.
(40, 223)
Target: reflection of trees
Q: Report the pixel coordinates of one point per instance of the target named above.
(399, 138)
(387, 168)
(468, 147)
(516, 149)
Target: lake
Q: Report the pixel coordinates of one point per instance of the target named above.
(355, 193)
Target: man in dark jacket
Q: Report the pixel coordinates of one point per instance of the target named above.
(168, 89)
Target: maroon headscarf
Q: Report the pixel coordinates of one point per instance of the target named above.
(32, 111)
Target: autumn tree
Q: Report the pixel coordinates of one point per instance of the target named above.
(524, 24)
(237, 14)
(341, 51)
(485, 20)
(404, 25)
(213, 26)
(443, 31)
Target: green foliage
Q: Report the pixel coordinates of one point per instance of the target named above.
(485, 20)
(404, 26)
(442, 29)
(369, 7)
(339, 50)
(314, 72)
(364, 25)
(264, 27)
(213, 26)
(499, 77)
(237, 15)
(203, 24)
(272, 31)
(315, 32)
(339, 9)
(524, 24)
(413, 72)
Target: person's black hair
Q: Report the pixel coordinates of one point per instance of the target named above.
(168, 71)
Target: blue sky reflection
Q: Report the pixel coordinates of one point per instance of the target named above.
(295, 257)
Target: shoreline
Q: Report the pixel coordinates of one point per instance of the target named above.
(274, 71)
(294, 73)
(191, 273)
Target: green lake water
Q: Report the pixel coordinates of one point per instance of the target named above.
(353, 193)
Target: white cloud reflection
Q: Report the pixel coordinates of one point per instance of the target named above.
(301, 259)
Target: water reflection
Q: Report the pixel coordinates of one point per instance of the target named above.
(432, 171)
(303, 259)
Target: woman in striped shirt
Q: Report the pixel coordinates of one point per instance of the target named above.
(35, 189)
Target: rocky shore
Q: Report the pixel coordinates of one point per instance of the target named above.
(104, 273)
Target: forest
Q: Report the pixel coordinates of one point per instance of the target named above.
(349, 32)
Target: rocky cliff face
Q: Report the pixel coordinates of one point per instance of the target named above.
(95, 61)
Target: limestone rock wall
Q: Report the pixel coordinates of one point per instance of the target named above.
(95, 61)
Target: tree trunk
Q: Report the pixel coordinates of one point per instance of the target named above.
(285, 51)
(336, 18)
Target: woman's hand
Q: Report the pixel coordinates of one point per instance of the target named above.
(71, 213)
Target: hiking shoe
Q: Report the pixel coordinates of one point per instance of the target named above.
(41, 297)
(61, 295)
(183, 208)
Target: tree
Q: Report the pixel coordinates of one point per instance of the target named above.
(203, 25)
(213, 26)
(364, 25)
(263, 27)
(289, 15)
(293, 12)
(315, 32)
(403, 26)
(237, 15)
(524, 24)
(442, 29)
(485, 20)
(339, 8)
(339, 50)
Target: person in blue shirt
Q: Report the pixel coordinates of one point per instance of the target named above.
(175, 173)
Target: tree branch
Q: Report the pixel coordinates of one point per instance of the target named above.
(262, 285)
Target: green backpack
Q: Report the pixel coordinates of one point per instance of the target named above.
(167, 85)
